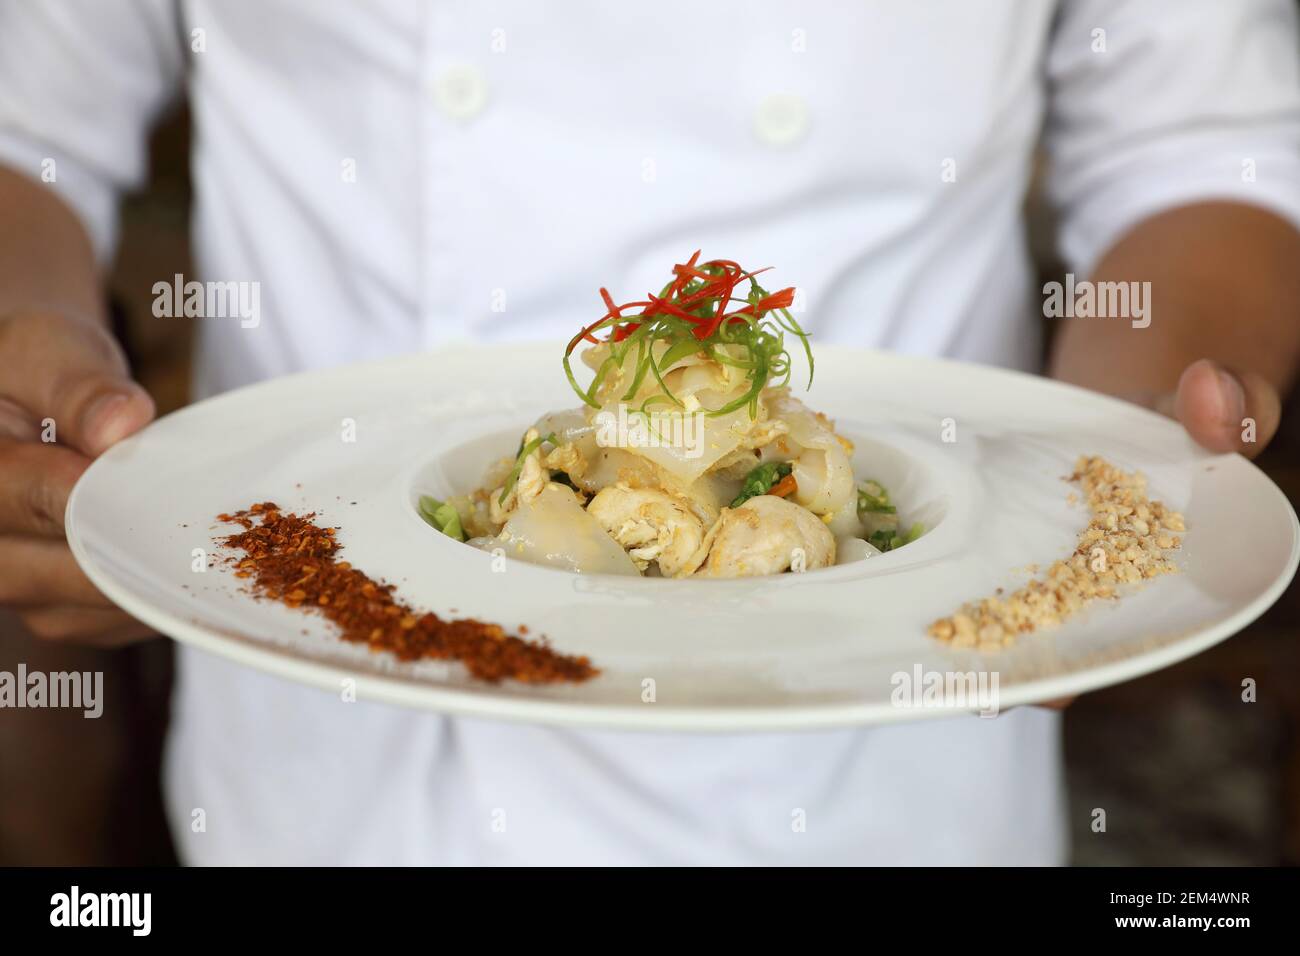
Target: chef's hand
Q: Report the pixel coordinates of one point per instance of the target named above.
(1220, 344)
(65, 397)
(1223, 410)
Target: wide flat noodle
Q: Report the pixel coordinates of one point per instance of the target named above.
(554, 529)
(822, 469)
(696, 442)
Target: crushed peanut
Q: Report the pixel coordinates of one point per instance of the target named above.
(1124, 543)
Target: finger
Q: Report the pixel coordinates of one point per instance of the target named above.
(35, 481)
(1059, 703)
(16, 422)
(37, 571)
(71, 374)
(97, 627)
(1226, 411)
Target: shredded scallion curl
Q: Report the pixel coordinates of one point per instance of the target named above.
(694, 314)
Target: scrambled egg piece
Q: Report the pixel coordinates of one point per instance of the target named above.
(532, 480)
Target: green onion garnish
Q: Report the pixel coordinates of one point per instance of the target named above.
(874, 499)
(760, 481)
(693, 314)
(891, 540)
(442, 516)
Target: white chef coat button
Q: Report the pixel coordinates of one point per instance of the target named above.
(782, 119)
(460, 92)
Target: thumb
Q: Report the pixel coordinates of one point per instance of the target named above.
(1226, 411)
(71, 372)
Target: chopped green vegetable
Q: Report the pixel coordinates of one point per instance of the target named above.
(524, 451)
(760, 481)
(887, 540)
(442, 516)
(874, 499)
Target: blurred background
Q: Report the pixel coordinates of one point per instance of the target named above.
(1187, 772)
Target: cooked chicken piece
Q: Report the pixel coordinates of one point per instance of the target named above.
(766, 535)
(533, 478)
(651, 525)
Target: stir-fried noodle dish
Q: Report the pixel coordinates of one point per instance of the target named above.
(688, 455)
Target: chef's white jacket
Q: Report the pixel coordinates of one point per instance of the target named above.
(398, 174)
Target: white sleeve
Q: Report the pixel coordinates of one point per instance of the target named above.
(81, 82)
(1165, 102)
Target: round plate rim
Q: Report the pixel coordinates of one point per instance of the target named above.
(481, 703)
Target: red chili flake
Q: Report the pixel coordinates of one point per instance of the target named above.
(289, 558)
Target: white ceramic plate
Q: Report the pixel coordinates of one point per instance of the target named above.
(822, 648)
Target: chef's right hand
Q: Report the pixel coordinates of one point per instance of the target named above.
(65, 396)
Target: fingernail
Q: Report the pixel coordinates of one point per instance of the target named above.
(1232, 398)
(102, 423)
